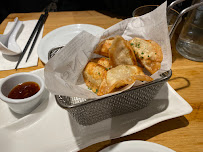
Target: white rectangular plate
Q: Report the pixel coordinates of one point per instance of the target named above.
(50, 128)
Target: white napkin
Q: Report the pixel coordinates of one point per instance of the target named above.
(9, 62)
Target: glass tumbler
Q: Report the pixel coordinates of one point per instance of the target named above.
(171, 15)
(190, 41)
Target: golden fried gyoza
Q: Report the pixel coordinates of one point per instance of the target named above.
(105, 62)
(103, 47)
(148, 53)
(93, 75)
(121, 53)
(120, 76)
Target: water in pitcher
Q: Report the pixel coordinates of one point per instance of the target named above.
(190, 42)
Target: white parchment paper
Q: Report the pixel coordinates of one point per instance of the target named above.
(63, 72)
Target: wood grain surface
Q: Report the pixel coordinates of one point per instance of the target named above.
(182, 134)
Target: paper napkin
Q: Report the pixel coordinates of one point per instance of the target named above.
(9, 62)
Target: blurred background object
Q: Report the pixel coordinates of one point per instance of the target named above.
(22, 6)
(118, 7)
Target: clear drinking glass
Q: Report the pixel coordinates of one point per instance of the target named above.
(190, 41)
(171, 15)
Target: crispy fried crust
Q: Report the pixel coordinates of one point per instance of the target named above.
(121, 53)
(103, 47)
(121, 76)
(93, 75)
(148, 53)
(105, 62)
(105, 75)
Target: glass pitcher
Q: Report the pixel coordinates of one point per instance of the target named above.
(190, 41)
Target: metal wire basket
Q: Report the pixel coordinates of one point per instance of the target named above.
(88, 112)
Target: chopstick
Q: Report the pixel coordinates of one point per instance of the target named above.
(38, 32)
(41, 18)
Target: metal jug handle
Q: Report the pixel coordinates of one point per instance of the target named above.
(179, 18)
(173, 4)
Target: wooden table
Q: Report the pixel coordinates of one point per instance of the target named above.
(182, 134)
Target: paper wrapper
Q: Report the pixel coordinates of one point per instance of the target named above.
(63, 72)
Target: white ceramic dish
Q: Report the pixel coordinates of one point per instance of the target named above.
(26, 105)
(8, 44)
(137, 146)
(61, 36)
(50, 128)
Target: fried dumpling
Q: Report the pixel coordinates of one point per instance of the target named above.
(93, 75)
(121, 53)
(148, 53)
(105, 62)
(103, 47)
(120, 76)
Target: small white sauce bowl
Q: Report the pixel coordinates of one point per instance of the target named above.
(26, 105)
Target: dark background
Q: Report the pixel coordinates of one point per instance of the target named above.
(117, 7)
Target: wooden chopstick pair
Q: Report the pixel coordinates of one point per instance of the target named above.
(35, 33)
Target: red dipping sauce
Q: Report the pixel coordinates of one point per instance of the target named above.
(24, 90)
